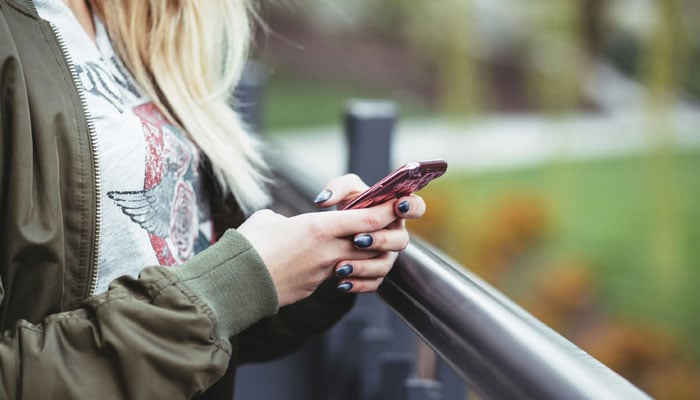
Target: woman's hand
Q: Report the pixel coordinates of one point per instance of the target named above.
(302, 251)
(366, 274)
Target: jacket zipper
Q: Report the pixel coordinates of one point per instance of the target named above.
(94, 270)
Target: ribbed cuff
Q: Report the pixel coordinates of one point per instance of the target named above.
(231, 278)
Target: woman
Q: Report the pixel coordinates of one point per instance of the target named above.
(119, 153)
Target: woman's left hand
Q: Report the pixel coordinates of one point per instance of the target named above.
(365, 275)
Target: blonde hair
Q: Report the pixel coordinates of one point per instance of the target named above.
(187, 56)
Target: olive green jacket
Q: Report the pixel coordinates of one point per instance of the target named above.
(171, 333)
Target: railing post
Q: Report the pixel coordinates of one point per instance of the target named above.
(387, 365)
(369, 126)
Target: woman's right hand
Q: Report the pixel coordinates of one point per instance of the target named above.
(301, 251)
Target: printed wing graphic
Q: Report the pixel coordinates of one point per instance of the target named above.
(148, 208)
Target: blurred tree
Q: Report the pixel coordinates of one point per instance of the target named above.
(556, 54)
(663, 70)
(443, 34)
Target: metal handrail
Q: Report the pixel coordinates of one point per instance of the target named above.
(497, 347)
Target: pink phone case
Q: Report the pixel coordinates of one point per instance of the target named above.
(409, 178)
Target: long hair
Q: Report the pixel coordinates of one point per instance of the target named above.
(188, 55)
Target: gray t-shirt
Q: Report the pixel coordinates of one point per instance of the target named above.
(153, 210)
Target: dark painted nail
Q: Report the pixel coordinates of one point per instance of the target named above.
(363, 241)
(404, 206)
(344, 271)
(345, 287)
(323, 196)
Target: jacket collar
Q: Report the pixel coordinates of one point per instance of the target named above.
(25, 6)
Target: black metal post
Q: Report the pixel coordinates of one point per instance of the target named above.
(387, 344)
(369, 126)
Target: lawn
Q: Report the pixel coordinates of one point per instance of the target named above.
(293, 103)
(634, 222)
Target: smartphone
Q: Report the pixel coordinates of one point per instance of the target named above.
(410, 177)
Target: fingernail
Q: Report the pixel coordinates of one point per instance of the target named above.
(363, 241)
(323, 196)
(404, 206)
(344, 287)
(344, 271)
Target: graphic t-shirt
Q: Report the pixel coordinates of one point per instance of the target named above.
(153, 211)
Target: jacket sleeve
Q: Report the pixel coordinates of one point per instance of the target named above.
(278, 333)
(152, 337)
(281, 333)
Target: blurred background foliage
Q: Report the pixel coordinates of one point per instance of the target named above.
(603, 249)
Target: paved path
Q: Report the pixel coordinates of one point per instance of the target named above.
(510, 141)
(499, 142)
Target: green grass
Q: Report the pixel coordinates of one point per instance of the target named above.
(294, 103)
(638, 229)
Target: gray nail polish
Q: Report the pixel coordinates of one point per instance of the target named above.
(363, 241)
(404, 206)
(344, 287)
(344, 271)
(323, 196)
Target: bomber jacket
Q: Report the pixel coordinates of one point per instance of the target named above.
(171, 333)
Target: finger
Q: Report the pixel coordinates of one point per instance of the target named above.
(342, 248)
(362, 276)
(411, 207)
(339, 189)
(383, 240)
(360, 285)
(376, 267)
(352, 222)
